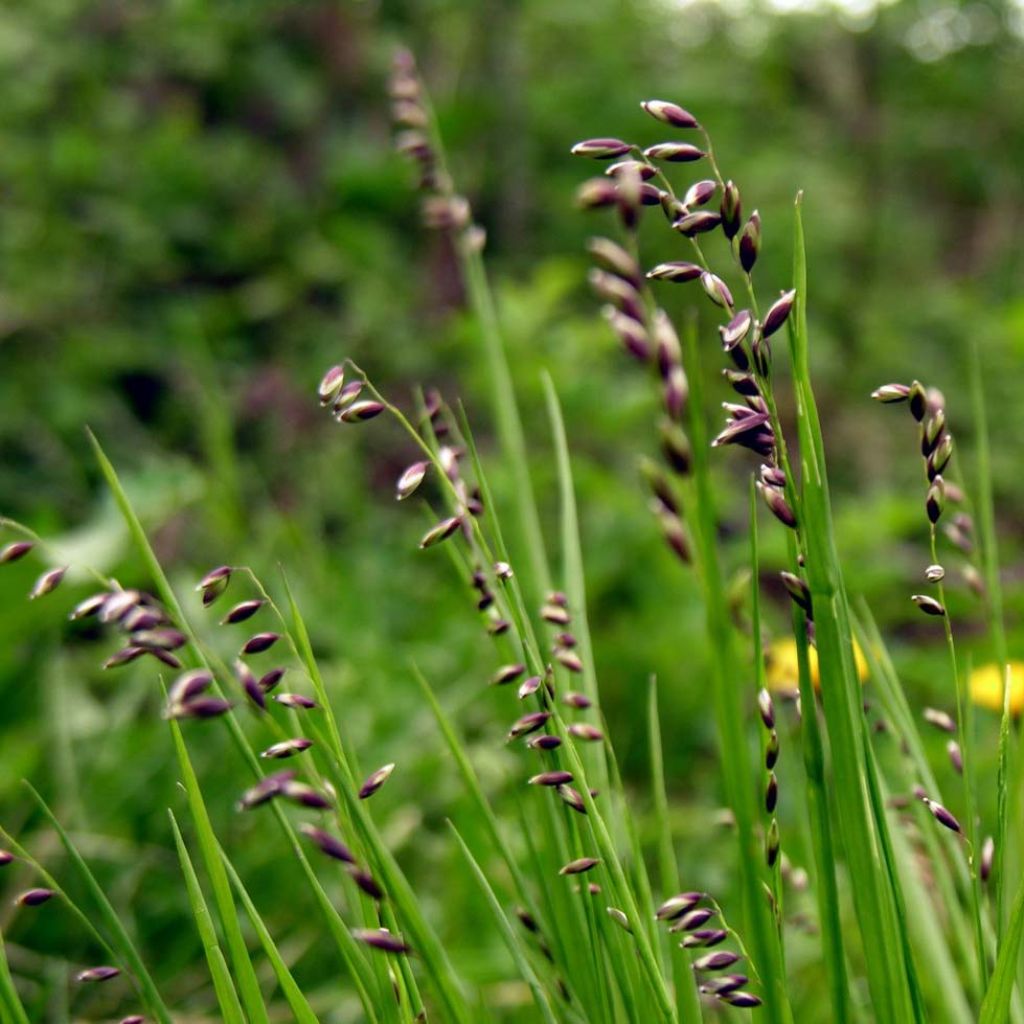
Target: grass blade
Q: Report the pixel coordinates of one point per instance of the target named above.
(10, 1001)
(996, 1006)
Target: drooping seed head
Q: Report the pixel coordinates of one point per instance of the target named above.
(585, 731)
(716, 289)
(674, 152)
(214, 583)
(260, 642)
(778, 313)
(328, 844)
(304, 795)
(287, 748)
(670, 113)
(15, 550)
(939, 719)
(330, 384)
(95, 974)
(375, 780)
(442, 531)
(601, 148)
(241, 612)
(382, 939)
(676, 906)
(697, 223)
(579, 866)
(507, 674)
(34, 897)
(928, 604)
(750, 242)
(891, 393)
(717, 961)
(731, 208)
(988, 854)
(552, 778)
(47, 583)
(942, 815)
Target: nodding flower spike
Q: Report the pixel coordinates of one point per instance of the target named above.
(585, 731)
(731, 208)
(330, 384)
(359, 412)
(889, 394)
(942, 815)
(697, 223)
(528, 723)
(34, 897)
(382, 939)
(544, 742)
(579, 866)
(676, 906)
(507, 674)
(93, 974)
(214, 583)
(552, 778)
(47, 583)
(670, 113)
(678, 271)
(601, 149)
(328, 844)
(241, 612)
(700, 192)
(375, 780)
(750, 242)
(12, 552)
(287, 748)
(442, 531)
(717, 290)
(939, 719)
(928, 604)
(296, 701)
(778, 313)
(260, 642)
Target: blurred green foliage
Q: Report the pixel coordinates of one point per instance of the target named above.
(200, 212)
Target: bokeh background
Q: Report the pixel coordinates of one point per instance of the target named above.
(200, 211)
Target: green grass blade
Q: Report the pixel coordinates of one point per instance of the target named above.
(996, 1006)
(209, 849)
(227, 997)
(121, 942)
(292, 993)
(508, 934)
(10, 1001)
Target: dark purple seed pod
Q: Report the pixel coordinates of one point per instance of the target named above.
(296, 701)
(697, 223)
(742, 383)
(572, 798)
(704, 938)
(650, 195)
(942, 815)
(670, 113)
(118, 604)
(736, 429)
(442, 531)
(529, 687)
(346, 396)
(12, 552)
(189, 685)
(988, 854)
(304, 795)
(700, 192)
(270, 679)
(375, 780)
(731, 208)
(717, 961)
(88, 607)
(260, 642)
(771, 750)
(266, 789)
(360, 412)
(935, 500)
(140, 619)
(214, 583)
(611, 256)
(724, 983)
(928, 604)
(771, 794)
(528, 723)
(498, 627)
(34, 897)
(773, 476)
(544, 742)
(891, 393)
(627, 168)
(750, 242)
(94, 974)
(676, 906)
(918, 399)
(552, 778)
(777, 504)
(601, 149)
(596, 194)
(507, 674)
(162, 638)
(328, 844)
(675, 392)
(382, 939)
(741, 1000)
(932, 432)
(692, 919)
(778, 313)
(939, 459)
(242, 611)
(579, 866)
(771, 843)
(330, 384)
(410, 480)
(125, 656)
(678, 271)
(366, 882)
(287, 748)
(797, 590)
(631, 334)
(717, 290)
(580, 701)
(674, 532)
(200, 708)
(617, 291)
(569, 659)
(766, 708)
(586, 732)
(674, 152)
(5, 858)
(47, 583)
(527, 920)
(733, 333)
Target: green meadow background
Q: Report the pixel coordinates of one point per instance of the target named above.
(200, 211)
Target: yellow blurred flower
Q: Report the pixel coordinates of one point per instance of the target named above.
(782, 667)
(986, 686)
